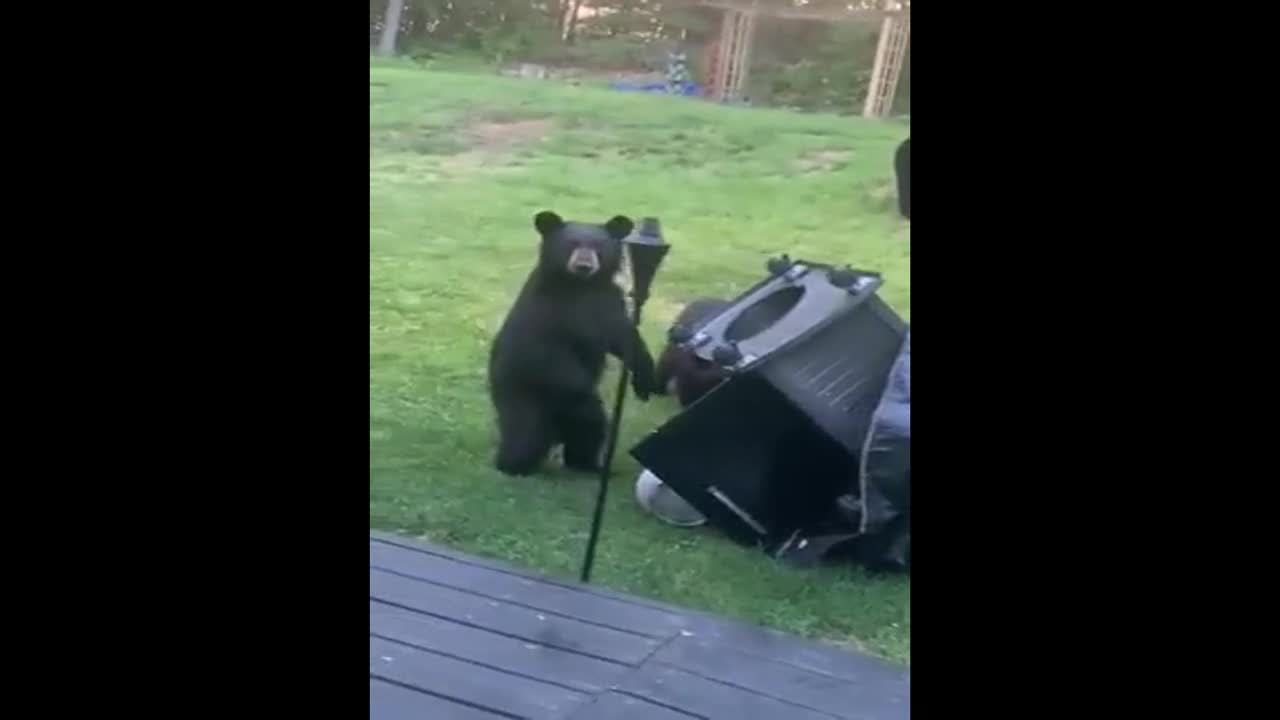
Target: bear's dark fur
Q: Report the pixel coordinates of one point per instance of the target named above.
(681, 371)
(902, 169)
(547, 359)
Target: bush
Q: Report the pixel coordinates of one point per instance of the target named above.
(603, 53)
(832, 75)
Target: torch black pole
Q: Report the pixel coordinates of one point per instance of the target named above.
(646, 250)
(606, 468)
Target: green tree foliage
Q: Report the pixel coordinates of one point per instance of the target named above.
(472, 25)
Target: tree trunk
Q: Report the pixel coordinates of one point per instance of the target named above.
(573, 22)
(562, 13)
(390, 28)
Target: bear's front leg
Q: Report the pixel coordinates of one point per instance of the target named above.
(644, 377)
(627, 345)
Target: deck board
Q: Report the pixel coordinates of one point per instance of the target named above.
(396, 702)
(453, 636)
(786, 682)
(474, 685)
(616, 706)
(519, 657)
(570, 602)
(674, 687)
(512, 620)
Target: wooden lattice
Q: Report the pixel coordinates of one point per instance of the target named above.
(890, 52)
(732, 56)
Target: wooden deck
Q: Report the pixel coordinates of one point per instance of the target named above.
(452, 636)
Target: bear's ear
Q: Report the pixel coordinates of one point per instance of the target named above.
(547, 222)
(619, 227)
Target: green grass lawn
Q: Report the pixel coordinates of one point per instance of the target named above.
(459, 164)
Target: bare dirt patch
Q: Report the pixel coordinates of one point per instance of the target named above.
(823, 160)
(488, 143)
(883, 196)
(499, 136)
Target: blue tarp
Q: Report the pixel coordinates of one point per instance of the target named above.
(657, 88)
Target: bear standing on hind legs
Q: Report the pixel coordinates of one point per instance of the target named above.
(547, 359)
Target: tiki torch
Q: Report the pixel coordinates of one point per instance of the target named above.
(645, 250)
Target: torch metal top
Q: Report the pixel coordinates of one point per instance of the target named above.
(650, 233)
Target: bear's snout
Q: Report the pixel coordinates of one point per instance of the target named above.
(584, 262)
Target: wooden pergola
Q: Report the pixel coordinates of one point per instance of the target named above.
(733, 54)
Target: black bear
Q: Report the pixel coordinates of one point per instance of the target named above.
(547, 359)
(681, 371)
(902, 169)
